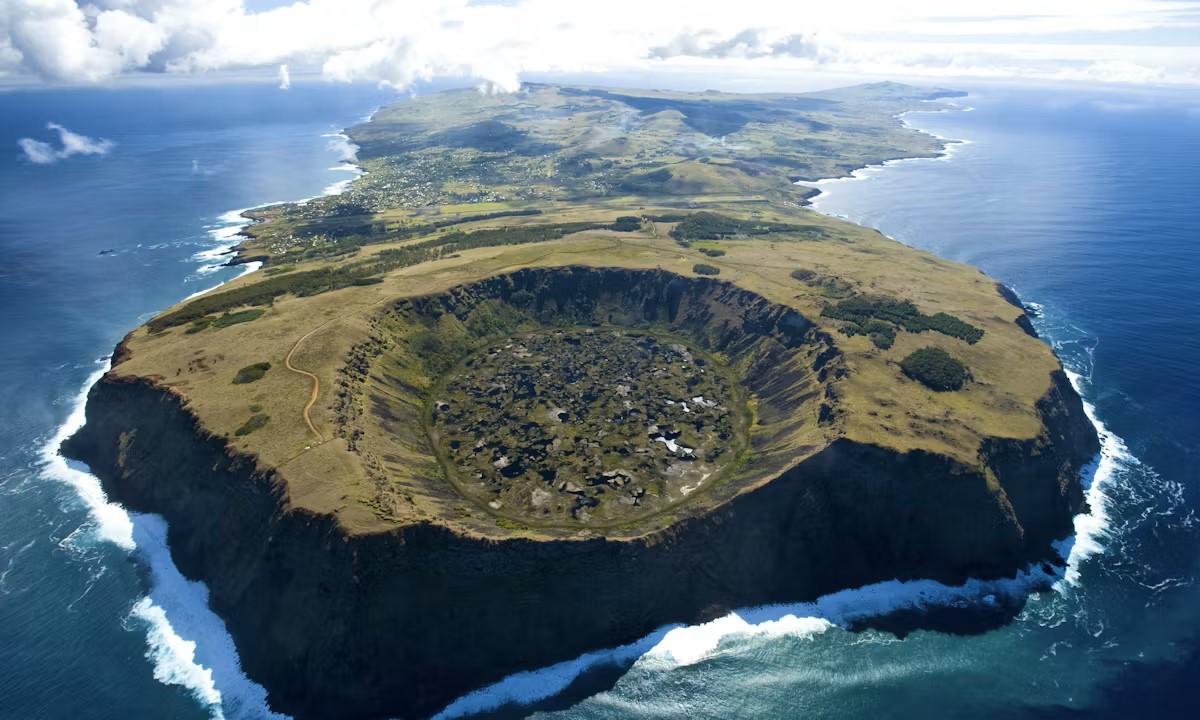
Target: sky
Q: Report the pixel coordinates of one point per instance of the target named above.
(495, 43)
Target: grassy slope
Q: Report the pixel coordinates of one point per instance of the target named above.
(1010, 369)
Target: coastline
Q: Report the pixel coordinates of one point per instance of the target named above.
(186, 642)
(1092, 526)
(683, 645)
(232, 224)
(679, 645)
(949, 146)
(675, 646)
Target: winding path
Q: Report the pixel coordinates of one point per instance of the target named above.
(316, 381)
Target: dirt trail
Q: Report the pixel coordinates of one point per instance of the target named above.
(316, 381)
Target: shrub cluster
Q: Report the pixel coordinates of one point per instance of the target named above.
(714, 226)
(712, 252)
(346, 238)
(705, 269)
(251, 373)
(935, 369)
(254, 423)
(879, 317)
(223, 321)
(626, 223)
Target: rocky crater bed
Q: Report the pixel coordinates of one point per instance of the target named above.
(584, 400)
(587, 425)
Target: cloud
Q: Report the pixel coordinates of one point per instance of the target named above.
(751, 43)
(400, 42)
(69, 144)
(285, 78)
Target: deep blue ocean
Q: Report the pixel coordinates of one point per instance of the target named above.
(1082, 199)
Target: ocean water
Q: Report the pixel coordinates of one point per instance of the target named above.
(94, 620)
(1081, 199)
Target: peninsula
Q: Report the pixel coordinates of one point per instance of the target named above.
(565, 366)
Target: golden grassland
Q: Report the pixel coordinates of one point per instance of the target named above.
(1010, 369)
(879, 405)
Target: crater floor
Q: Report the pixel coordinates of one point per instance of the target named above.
(586, 425)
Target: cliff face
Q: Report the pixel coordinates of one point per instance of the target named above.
(400, 624)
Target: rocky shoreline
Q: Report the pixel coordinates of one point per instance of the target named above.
(401, 623)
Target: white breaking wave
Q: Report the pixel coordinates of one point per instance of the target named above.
(175, 658)
(209, 665)
(225, 234)
(677, 645)
(110, 523)
(347, 152)
(341, 146)
(1092, 527)
(950, 147)
(186, 642)
(529, 687)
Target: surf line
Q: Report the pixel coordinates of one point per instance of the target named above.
(187, 644)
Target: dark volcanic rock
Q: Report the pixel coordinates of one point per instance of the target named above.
(400, 624)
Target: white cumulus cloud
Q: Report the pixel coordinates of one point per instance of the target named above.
(69, 144)
(399, 42)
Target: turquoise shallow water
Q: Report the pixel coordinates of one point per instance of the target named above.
(1082, 200)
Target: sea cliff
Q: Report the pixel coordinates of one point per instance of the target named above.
(400, 623)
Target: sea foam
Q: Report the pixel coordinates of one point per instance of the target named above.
(680, 645)
(186, 642)
(950, 147)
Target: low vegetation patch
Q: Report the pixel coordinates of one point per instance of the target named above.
(712, 252)
(221, 321)
(236, 318)
(935, 369)
(669, 218)
(880, 317)
(804, 275)
(626, 223)
(706, 269)
(714, 226)
(254, 423)
(251, 373)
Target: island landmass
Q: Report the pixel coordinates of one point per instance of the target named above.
(570, 364)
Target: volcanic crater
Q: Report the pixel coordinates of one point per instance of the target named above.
(574, 398)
